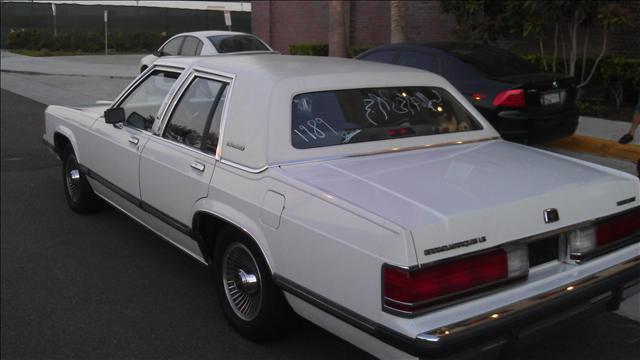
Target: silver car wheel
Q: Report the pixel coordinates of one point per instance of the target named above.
(72, 177)
(242, 282)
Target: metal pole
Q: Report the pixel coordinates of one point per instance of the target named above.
(106, 39)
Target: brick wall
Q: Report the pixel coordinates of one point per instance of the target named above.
(626, 41)
(282, 23)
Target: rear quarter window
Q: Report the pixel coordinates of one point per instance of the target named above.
(236, 43)
(340, 117)
(494, 62)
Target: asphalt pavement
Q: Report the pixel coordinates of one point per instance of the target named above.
(103, 287)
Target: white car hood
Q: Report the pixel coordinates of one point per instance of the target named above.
(495, 189)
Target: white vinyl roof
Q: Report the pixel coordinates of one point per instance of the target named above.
(259, 114)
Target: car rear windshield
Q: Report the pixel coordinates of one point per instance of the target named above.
(236, 43)
(338, 117)
(495, 62)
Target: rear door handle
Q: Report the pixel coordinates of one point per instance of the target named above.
(134, 140)
(198, 166)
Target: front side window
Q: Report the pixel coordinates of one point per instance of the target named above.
(193, 112)
(338, 117)
(142, 104)
(173, 46)
(236, 43)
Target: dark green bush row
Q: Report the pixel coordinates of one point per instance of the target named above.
(84, 41)
(321, 50)
(617, 78)
(309, 49)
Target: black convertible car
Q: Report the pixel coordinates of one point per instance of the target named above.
(520, 100)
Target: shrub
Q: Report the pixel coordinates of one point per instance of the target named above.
(309, 49)
(355, 51)
(83, 41)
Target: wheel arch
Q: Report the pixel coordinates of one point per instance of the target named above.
(208, 224)
(63, 136)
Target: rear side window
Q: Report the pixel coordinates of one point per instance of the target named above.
(190, 119)
(173, 46)
(380, 56)
(419, 61)
(190, 46)
(236, 43)
(494, 62)
(338, 117)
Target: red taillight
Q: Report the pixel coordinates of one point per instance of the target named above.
(595, 240)
(510, 98)
(399, 131)
(618, 228)
(411, 290)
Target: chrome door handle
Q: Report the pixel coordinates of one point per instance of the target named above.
(198, 166)
(134, 140)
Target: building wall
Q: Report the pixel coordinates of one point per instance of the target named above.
(282, 23)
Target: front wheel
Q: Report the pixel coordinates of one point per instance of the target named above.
(77, 190)
(250, 301)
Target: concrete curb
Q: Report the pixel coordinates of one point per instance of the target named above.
(79, 75)
(597, 146)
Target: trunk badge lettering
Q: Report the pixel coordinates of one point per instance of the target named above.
(555, 84)
(550, 215)
(457, 245)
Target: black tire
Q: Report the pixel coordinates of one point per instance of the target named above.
(268, 315)
(77, 190)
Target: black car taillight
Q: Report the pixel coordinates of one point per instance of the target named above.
(513, 98)
(410, 291)
(594, 240)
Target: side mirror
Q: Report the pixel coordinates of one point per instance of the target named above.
(114, 116)
(159, 53)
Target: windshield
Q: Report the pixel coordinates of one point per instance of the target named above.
(495, 62)
(338, 117)
(236, 43)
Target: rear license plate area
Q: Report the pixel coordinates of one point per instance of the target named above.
(551, 98)
(544, 250)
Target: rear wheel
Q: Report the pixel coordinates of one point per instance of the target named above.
(77, 190)
(250, 301)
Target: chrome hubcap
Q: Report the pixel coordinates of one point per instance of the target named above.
(73, 178)
(242, 283)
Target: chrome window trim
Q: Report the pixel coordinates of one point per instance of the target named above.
(244, 168)
(183, 146)
(184, 85)
(143, 76)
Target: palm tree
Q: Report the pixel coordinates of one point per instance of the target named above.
(338, 28)
(398, 24)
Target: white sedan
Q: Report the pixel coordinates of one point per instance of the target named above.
(203, 43)
(371, 199)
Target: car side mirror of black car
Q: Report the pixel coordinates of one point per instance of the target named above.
(114, 116)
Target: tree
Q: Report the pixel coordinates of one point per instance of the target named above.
(398, 22)
(489, 21)
(337, 28)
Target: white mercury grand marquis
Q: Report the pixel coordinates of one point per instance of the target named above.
(370, 199)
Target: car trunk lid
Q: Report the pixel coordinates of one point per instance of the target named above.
(481, 195)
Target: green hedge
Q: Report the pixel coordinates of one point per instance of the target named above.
(321, 50)
(309, 49)
(83, 41)
(615, 74)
